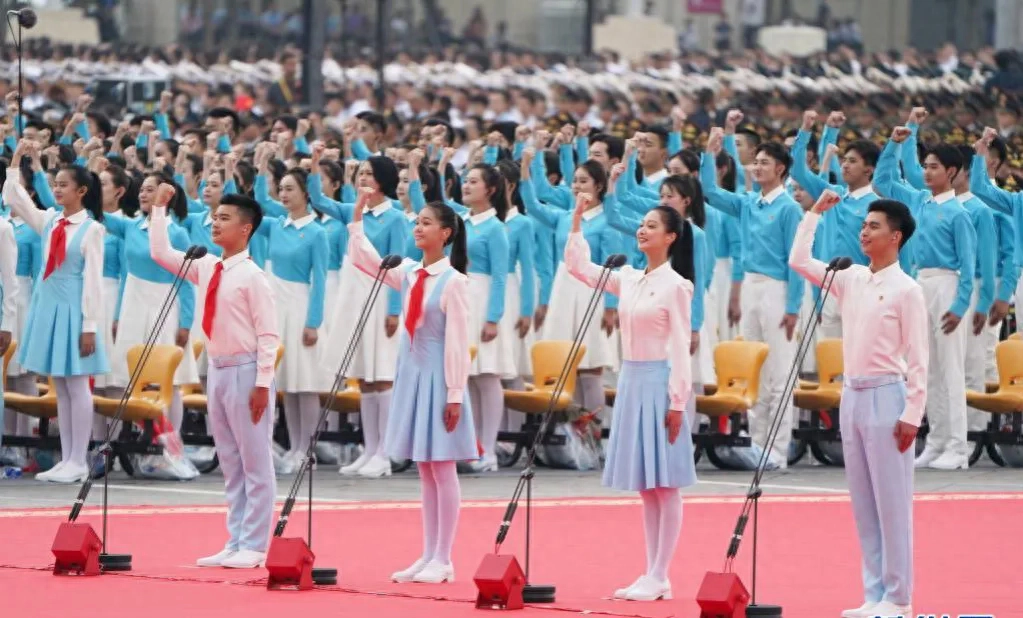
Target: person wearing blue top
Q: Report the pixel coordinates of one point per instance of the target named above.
(569, 296)
(839, 234)
(487, 246)
(991, 154)
(146, 284)
(415, 181)
(944, 253)
(29, 265)
(376, 353)
(298, 275)
(772, 292)
(8, 298)
(521, 288)
(332, 175)
(728, 275)
(59, 338)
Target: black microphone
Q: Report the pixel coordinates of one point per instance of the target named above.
(391, 261)
(27, 17)
(196, 252)
(833, 264)
(842, 263)
(615, 260)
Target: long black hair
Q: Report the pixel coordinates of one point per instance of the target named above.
(178, 205)
(93, 199)
(689, 186)
(512, 175)
(336, 173)
(724, 161)
(129, 201)
(681, 251)
(300, 176)
(599, 176)
(493, 179)
(449, 219)
(385, 172)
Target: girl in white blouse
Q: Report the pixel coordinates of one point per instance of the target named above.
(650, 449)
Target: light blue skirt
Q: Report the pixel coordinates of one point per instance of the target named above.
(638, 454)
(415, 423)
(49, 344)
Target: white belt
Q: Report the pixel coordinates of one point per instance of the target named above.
(927, 273)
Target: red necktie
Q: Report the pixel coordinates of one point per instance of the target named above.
(58, 247)
(415, 302)
(210, 308)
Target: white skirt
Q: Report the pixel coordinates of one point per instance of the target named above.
(722, 286)
(703, 360)
(24, 301)
(111, 287)
(522, 364)
(569, 298)
(330, 297)
(376, 356)
(495, 356)
(299, 371)
(139, 309)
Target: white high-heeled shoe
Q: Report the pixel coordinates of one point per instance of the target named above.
(410, 573)
(377, 467)
(435, 573)
(649, 589)
(354, 467)
(487, 463)
(622, 593)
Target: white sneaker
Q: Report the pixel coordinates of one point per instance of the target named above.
(70, 473)
(623, 593)
(377, 467)
(410, 573)
(863, 611)
(649, 589)
(950, 461)
(435, 573)
(487, 463)
(353, 468)
(925, 458)
(45, 476)
(216, 559)
(244, 559)
(887, 609)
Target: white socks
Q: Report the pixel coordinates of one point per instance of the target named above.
(74, 416)
(370, 420)
(301, 411)
(514, 419)
(488, 399)
(591, 387)
(176, 411)
(662, 522)
(15, 423)
(442, 497)
(383, 407)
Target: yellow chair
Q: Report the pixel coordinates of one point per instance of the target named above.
(737, 364)
(42, 406)
(8, 355)
(193, 389)
(1008, 399)
(1016, 336)
(549, 357)
(828, 394)
(197, 401)
(146, 405)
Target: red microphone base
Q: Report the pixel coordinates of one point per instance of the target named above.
(722, 595)
(499, 581)
(289, 563)
(76, 550)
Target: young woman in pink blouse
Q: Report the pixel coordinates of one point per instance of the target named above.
(650, 449)
(430, 418)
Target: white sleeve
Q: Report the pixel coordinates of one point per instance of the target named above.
(8, 276)
(92, 286)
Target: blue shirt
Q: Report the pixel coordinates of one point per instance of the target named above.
(986, 267)
(729, 242)
(486, 244)
(30, 249)
(138, 262)
(298, 253)
(521, 254)
(1008, 269)
(200, 231)
(768, 225)
(603, 239)
(944, 236)
(1001, 200)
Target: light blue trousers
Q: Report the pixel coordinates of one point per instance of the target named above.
(880, 484)
(244, 450)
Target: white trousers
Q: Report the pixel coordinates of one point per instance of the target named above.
(763, 308)
(946, 375)
(722, 285)
(980, 361)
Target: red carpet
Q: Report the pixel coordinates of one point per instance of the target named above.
(809, 559)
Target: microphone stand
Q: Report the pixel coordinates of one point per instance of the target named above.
(537, 593)
(328, 576)
(122, 562)
(754, 493)
(25, 19)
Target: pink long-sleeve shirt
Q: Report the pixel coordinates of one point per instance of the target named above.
(884, 315)
(653, 311)
(454, 302)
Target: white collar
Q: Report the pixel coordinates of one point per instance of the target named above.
(436, 268)
(411, 215)
(207, 220)
(773, 195)
(512, 213)
(886, 272)
(144, 225)
(235, 259)
(657, 176)
(659, 271)
(965, 197)
(861, 192)
(593, 212)
(944, 197)
(17, 221)
(380, 208)
(483, 216)
(78, 217)
(301, 222)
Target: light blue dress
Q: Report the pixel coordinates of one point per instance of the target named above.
(50, 341)
(415, 428)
